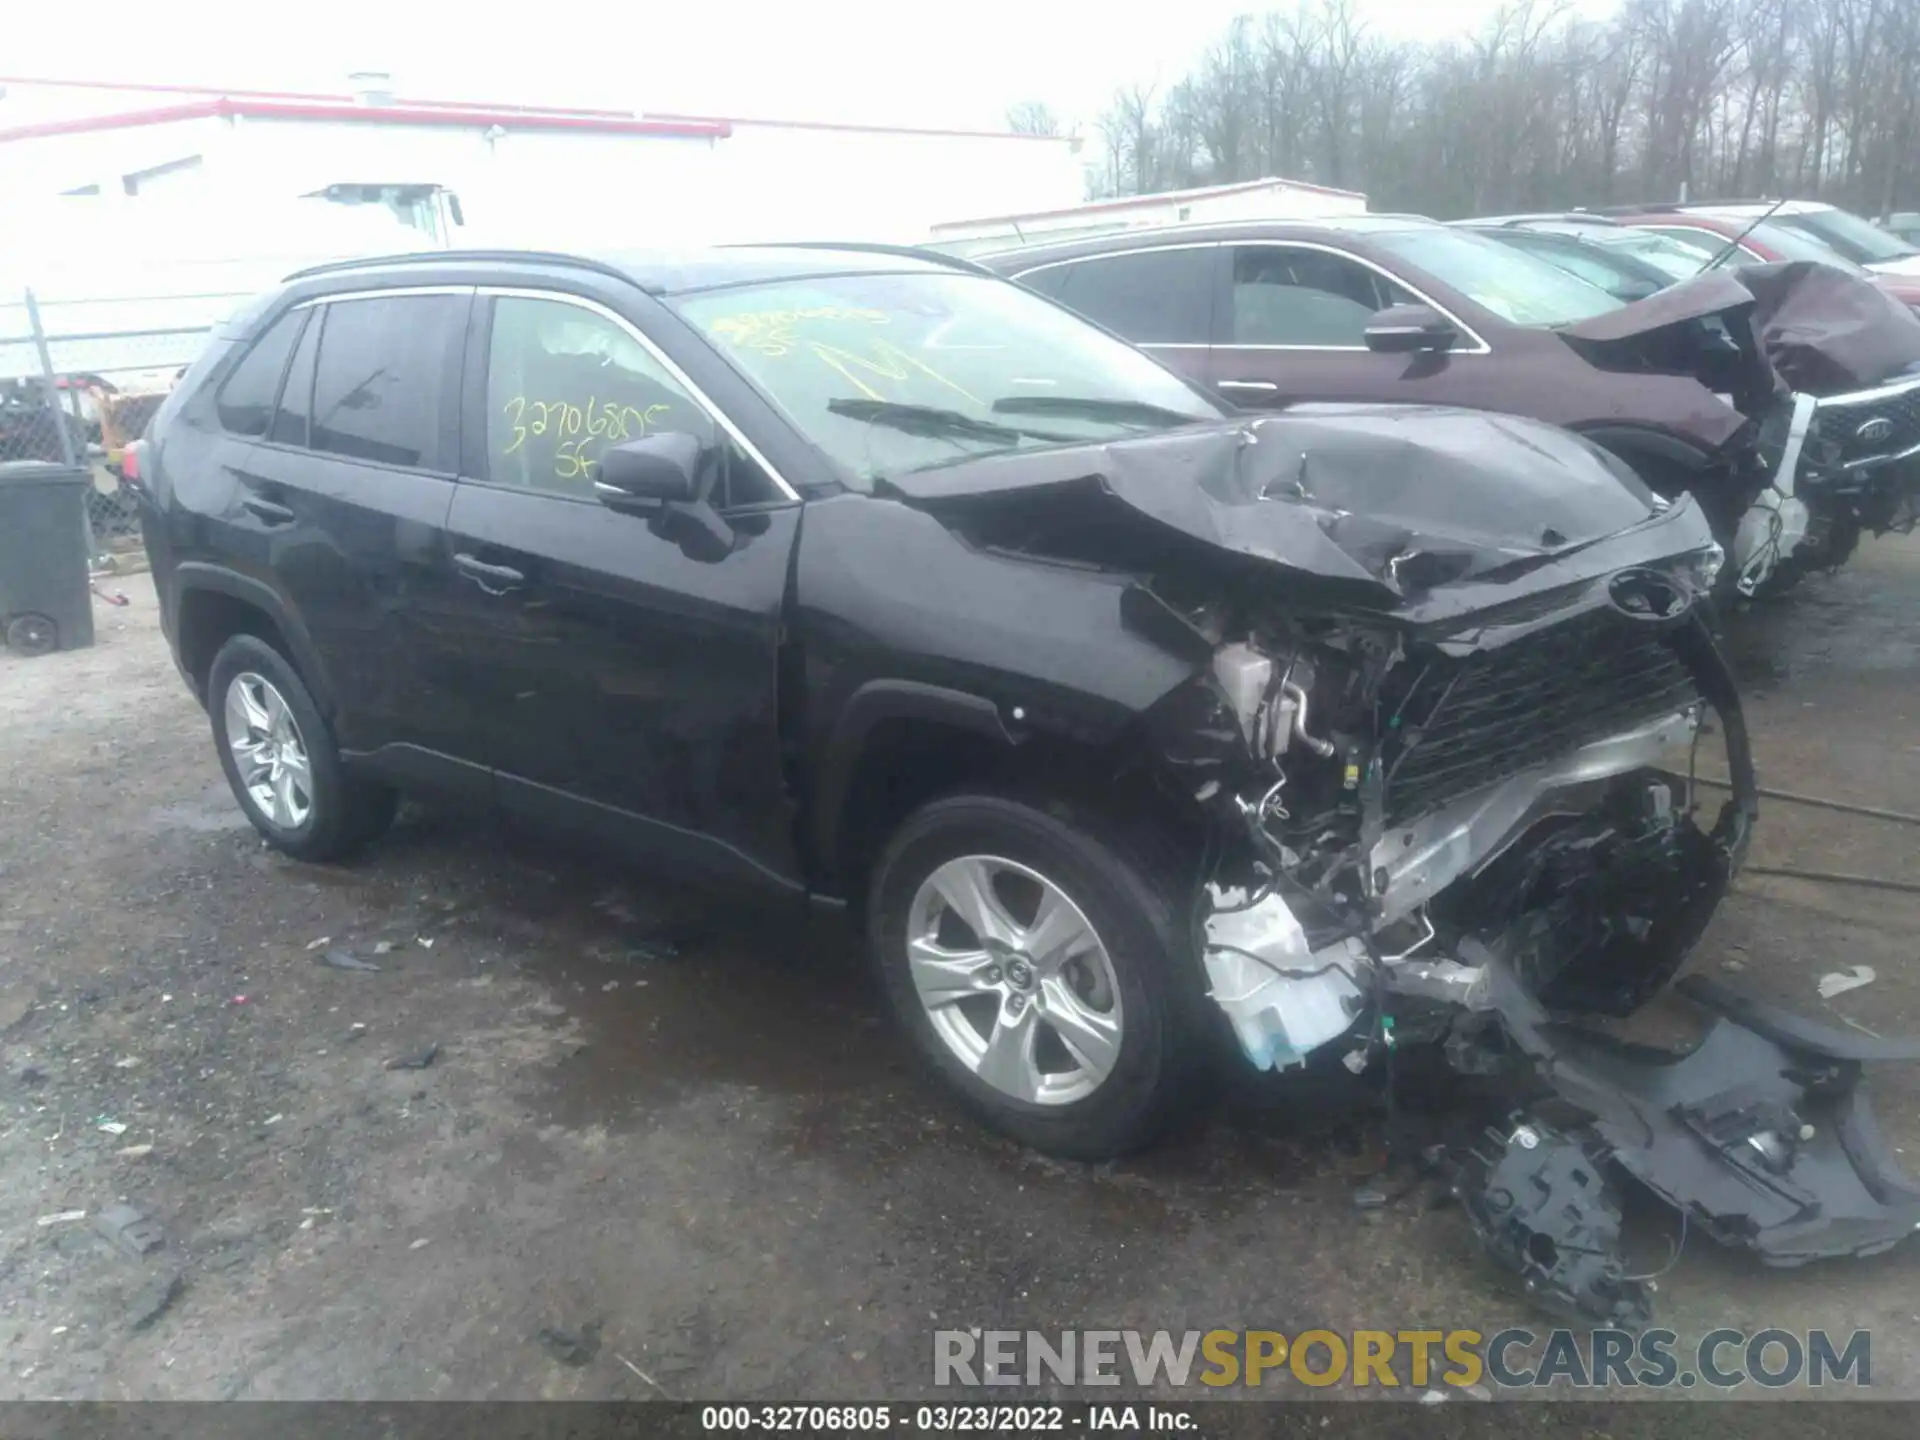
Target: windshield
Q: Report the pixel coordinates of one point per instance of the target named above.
(1861, 241)
(897, 372)
(1520, 288)
(1797, 245)
(1676, 259)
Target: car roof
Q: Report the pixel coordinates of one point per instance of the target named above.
(1321, 227)
(1558, 217)
(1747, 209)
(671, 272)
(1701, 219)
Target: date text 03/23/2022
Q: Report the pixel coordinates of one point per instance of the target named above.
(955, 1418)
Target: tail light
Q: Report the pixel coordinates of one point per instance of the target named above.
(130, 462)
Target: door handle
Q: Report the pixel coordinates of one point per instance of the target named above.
(494, 579)
(267, 511)
(1262, 385)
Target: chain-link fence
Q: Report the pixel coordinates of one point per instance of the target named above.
(80, 377)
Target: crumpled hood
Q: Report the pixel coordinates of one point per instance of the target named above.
(1827, 331)
(1823, 330)
(1389, 501)
(1717, 292)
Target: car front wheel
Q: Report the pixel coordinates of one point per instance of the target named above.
(1036, 966)
(279, 756)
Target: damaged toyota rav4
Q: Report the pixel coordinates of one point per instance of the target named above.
(1129, 726)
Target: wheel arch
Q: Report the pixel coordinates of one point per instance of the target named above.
(212, 604)
(898, 745)
(1636, 443)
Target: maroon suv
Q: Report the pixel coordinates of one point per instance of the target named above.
(1382, 307)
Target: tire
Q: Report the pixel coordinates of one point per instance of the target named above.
(32, 634)
(340, 813)
(1154, 990)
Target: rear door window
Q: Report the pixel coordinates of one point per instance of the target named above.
(1151, 297)
(245, 401)
(386, 383)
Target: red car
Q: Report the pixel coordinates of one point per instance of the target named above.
(1764, 241)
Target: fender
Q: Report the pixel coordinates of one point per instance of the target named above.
(191, 575)
(872, 705)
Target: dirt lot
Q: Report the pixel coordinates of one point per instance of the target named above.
(717, 1165)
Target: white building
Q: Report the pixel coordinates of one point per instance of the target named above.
(1269, 199)
(521, 175)
(141, 214)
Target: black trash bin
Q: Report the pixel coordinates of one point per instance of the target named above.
(45, 601)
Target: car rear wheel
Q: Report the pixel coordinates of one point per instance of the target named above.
(279, 756)
(1037, 967)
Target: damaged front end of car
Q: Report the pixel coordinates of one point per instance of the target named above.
(1824, 366)
(1450, 676)
(1388, 798)
(1446, 738)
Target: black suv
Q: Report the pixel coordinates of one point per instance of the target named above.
(863, 576)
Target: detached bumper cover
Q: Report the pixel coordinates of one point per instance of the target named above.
(1762, 1135)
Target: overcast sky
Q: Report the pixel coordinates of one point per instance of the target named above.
(878, 61)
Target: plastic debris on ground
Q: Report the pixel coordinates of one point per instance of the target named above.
(1545, 1209)
(569, 1348)
(130, 1230)
(1761, 1136)
(347, 960)
(1839, 982)
(154, 1301)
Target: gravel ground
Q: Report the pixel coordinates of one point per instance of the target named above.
(716, 1166)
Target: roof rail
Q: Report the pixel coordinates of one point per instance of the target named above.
(865, 247)
(430, 257)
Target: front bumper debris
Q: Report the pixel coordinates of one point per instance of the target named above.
(1762, 1136)
(1544, 1208)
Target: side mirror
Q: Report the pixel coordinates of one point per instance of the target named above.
(1410, 329)
(651, 472)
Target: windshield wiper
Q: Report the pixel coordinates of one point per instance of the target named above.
(1094, 408)
(937, 424)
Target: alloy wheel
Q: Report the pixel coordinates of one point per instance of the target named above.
(269, 751)
(1014, 979)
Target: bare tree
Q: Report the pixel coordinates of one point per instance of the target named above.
(1546, 108)
(1031, 117)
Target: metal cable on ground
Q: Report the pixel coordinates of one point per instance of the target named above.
(1898, 817)
(1828, 877)
(1835, 877)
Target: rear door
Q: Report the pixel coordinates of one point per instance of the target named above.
(1291, 325)
(628, 676)
(346, 492)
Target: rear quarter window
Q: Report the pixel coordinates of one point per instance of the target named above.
(245, 401)
(1151, 297)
